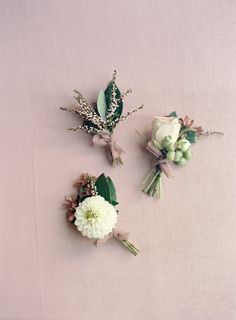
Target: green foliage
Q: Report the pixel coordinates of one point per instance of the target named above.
(108, 94)
(106, 189)
(173, 114)
(112, 191)
(191, 136)
(101, 105)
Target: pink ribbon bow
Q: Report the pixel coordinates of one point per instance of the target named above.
(162, 162)
(113, 150)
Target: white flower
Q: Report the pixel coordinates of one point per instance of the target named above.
(95, 217)
(163, 127)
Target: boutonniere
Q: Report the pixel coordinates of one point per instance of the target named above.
(171, 142)
(101, 118)
(92, 209)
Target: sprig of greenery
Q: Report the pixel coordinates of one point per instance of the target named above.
(106, 113)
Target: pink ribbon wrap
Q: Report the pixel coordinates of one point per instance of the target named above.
(113, 150)
(162, 162)
(115, 234)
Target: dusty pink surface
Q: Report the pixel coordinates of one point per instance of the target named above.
(175, 55)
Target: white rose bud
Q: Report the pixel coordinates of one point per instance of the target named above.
(163, 127)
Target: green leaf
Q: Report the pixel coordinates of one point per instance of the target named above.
(108, 95)
(106, 189)
(112, 191)
(173, 114)
(101, 105)
(103, 187)
(191, 136)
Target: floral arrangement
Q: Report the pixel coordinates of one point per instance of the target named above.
(171, 142)
(101, 118)
(92, 210)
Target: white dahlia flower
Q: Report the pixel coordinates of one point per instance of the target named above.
(95, 217)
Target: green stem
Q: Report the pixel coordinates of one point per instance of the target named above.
(155, 185)
(130, 246)
(117, 161)
(148, 177)
(152, 182)
(156, 190)
(160, 188)
(152, 186)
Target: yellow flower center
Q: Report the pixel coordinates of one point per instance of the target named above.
(91, 215)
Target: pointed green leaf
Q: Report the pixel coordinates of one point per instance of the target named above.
(103, 187)
(101, 105)
(106, 189)
(112, 190)
(108, 94)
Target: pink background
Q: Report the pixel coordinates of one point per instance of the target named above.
(176, 55)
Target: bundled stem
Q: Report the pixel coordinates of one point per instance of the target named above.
(152, 185)
(116, 161)
(130, 247)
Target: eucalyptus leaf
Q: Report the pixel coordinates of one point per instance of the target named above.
(101, 105)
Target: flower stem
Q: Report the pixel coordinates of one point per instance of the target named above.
(160, 187)
(152, 184)
(149, 176)
(117, 161)
(155, 185)
(130, 246)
